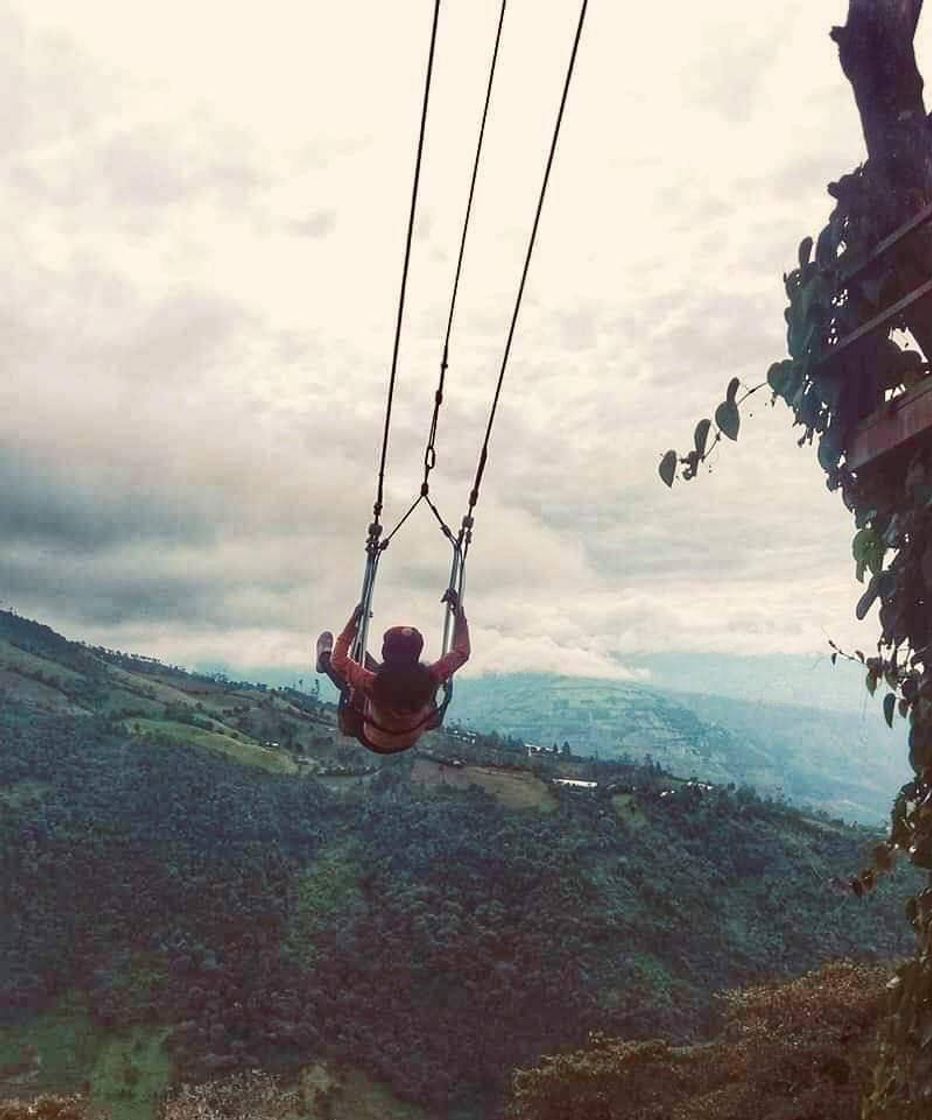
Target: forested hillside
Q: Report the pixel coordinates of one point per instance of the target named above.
(176, 910)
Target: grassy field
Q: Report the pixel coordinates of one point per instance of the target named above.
(37, 694)
(515, 789)
(63, 1051)
(19, 794)
(48, 1053)
(32, 665)
(131, 1070)
(126, 1073)
(242, 751)
(253, 725)
(628, 810)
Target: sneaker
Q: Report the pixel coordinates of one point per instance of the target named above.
(324, 646)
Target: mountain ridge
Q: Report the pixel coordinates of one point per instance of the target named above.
(846, 764)
(849, 765)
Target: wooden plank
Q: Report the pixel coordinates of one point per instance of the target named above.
(894, 238)
(904, 419)
(884, 319)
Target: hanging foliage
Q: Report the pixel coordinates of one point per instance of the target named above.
(859, 334)
(830, 386)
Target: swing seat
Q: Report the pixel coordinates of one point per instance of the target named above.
(352, 721)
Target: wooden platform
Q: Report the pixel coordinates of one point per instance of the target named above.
(906, 419)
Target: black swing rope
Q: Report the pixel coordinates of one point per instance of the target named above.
(373, 548)
(430, 452)
(465, 536)
(463, 539)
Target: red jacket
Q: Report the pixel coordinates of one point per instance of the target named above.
(394, 730)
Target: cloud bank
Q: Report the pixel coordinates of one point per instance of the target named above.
(206, 215)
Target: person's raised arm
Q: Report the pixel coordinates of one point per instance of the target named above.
(459, 653)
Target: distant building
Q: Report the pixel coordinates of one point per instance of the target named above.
(575, 783)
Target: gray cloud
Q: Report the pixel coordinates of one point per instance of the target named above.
(733, 63)
(318, 224)
(49, 507)
(184, 337)
(146, 168)
(196, 332)
(140, 171)
(54, 585)
(49, 88)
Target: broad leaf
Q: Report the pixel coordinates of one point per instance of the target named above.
(860, 543)
(800, 333)
(728, 419)
(701, 435)
(867, 599)
(732, 391)
(777, 375)
(826, 252)
(829, 452)
(805, 248)
(668, 467)
(889, 704)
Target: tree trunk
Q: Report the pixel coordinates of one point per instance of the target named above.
(875, 48)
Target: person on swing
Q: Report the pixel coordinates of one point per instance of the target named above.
(387, 707)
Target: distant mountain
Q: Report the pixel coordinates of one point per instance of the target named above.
(842, 761)
(847, 764)
(778, 678)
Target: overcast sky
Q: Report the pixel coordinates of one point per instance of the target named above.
(205, 207)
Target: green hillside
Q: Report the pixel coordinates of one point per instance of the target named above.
(278, 730)
(849, 765)
(413, 928)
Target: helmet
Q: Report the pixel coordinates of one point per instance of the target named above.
(402, 645)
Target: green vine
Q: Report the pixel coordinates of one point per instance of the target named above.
(832, 293)
(838, 285)
(727, 423)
